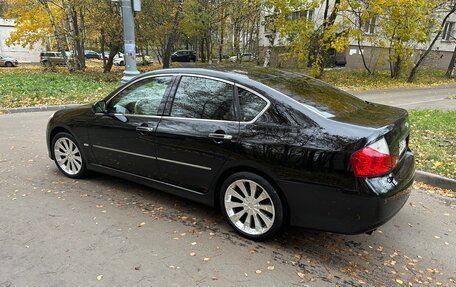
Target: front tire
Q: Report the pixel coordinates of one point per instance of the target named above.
(252, 206)
(68, 156)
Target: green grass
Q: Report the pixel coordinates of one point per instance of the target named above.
(433, 139)
(24, 88)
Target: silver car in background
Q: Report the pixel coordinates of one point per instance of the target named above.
(6, 61)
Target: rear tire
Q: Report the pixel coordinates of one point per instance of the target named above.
(68, 156)
(9, 64)
(252, 206)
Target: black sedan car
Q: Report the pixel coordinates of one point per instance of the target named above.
(265, 146)
(184, 56)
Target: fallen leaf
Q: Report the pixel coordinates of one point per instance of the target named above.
(193, 243)
(399, 281)
(99, 277)
(301, 275)
(206, 259)
(258, 271)
(141, 224)
(270, 267)
(192, 253)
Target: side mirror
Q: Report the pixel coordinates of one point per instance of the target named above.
(99, 107)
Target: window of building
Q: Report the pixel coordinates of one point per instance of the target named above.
(302, 14)
(448, 31)
(369, 27)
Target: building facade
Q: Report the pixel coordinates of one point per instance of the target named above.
(22, 54)
(376, 57)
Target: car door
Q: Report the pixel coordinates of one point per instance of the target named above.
(122, 138)
(199, 132)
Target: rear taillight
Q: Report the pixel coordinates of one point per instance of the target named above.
(373, 160)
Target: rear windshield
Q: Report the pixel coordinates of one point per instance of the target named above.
(328, 100)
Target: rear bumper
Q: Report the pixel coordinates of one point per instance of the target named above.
(375, 201)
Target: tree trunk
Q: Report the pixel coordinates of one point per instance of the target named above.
(451, 66)
(369, 72)
(172, 36)
(208, 47)
(113, 50)
(222, 35)
(78, 48)
(57, 34)
(102, 46)
(397, 67)
(415, 68)
(202, 56)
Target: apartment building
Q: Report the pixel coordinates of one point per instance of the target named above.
(375, 56)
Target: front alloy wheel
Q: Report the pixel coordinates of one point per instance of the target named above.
(67, 156)
(252, 206)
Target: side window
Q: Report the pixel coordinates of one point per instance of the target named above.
(141, 98)
(251, 105)
(202, 98)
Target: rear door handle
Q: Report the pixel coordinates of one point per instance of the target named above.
(144, 129)
(220, 136)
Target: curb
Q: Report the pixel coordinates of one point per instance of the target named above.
(435, 180)
(38, 109)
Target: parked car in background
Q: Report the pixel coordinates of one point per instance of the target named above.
(53, 58)
(89, 54)
(184, 56)
(6, 61)
(140, 60)
(268, 147)
(245, 57)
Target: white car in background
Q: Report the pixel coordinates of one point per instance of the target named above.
(8, 61)
(120, 61)
(244, 57)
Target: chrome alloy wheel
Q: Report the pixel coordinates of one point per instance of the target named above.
(68, 156)
(249, 207)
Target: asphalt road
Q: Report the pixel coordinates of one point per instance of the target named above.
(104, 231)
(442, 98)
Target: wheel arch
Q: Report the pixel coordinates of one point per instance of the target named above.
(227, 172)
(54, 131)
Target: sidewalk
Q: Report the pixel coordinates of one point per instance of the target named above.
(413, 98)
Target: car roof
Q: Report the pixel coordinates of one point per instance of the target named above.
(253, 76)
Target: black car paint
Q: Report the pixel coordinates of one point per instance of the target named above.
(187, 56)
(304, 155)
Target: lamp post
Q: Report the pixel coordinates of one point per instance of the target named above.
(129, 39)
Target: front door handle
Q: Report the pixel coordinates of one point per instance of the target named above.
(220, 136)
(144, 129)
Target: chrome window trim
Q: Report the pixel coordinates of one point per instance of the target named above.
(268, 103)
(207, 77)
(153, 157)
(193, 119)
(136, 116)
